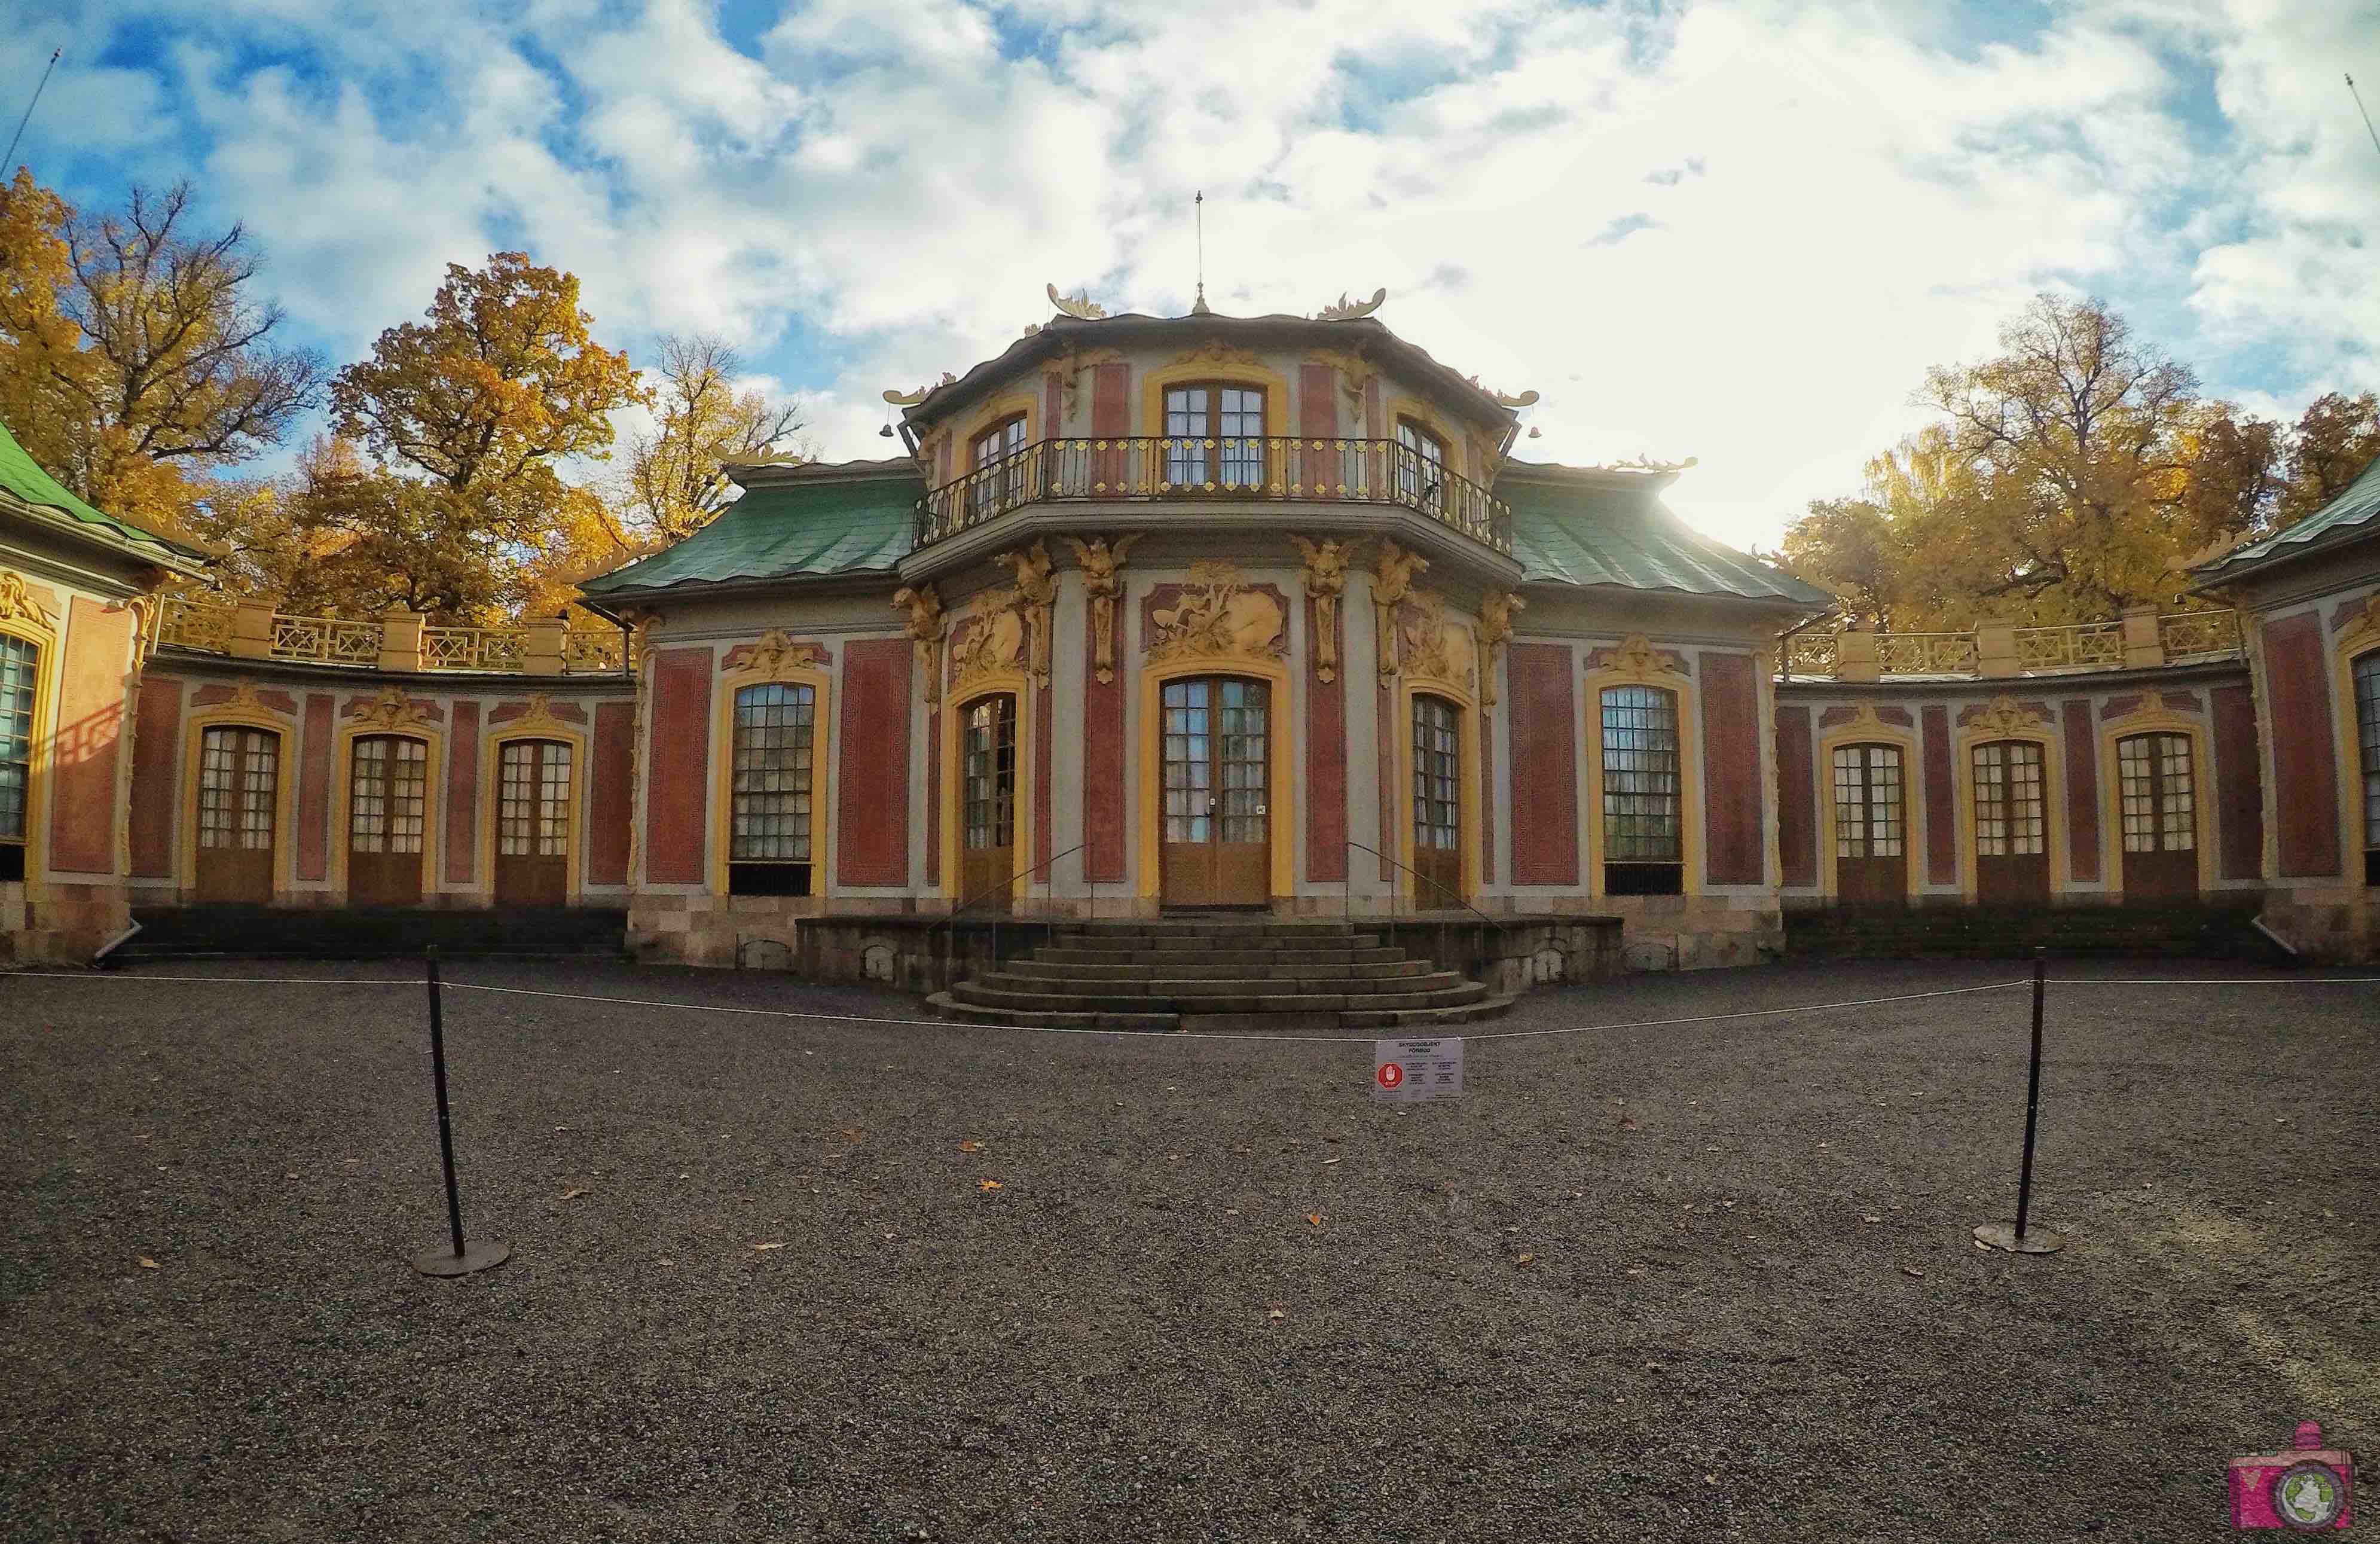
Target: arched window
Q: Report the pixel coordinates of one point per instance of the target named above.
(21, 662)
(1644, 835)
(769, 842)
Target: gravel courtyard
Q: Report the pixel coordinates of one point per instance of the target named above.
(790, 1279)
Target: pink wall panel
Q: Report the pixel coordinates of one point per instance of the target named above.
(676, 792)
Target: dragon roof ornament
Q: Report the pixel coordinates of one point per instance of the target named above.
(1079, 305)
(1347, 310)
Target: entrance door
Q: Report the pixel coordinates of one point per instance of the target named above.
(2160, 794)
(2011, 825)
(988, 802)
(387, 815)
(533, 823)
(240, 774)
(1436, 803)
(1218, 849)
(1871, 867)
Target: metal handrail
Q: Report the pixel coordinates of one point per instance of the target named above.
(1425, 879)
(1486, 921)
(957, 911)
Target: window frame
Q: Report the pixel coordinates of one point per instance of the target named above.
(16, 849)
(1418, 446)
(772, 875)
(1219, 468)
(1640, 873)
(2362, 669)
(996, 464)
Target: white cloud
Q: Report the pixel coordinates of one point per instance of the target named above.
(1742, 231)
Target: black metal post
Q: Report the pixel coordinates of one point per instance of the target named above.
(2032, 1098)
(461, 1262)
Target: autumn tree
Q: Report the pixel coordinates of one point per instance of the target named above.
(467, 415)
(2337, 437)
(676, 478)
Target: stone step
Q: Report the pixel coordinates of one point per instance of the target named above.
(1198, 943)
(953, 1008)
(1219, 926)
(1167, 986)
(1381, 970)
(1252, 1003)
(1240, 958)
(1404, 1018)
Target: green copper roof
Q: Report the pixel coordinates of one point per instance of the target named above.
(2355, 512)
(1582, 532)
(799, 527)
(20, 475)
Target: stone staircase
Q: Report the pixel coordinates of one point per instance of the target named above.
(1225, 973)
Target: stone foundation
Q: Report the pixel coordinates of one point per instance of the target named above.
(2325, 922)
(50, 922)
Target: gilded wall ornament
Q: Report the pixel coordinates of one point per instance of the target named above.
(993, 642)
(1040, 591)
(1392, 580)
(1636, 655)
(1326, 580)
(1102, 564)
(925, 629)
(1216, 351)
(1495, 609)
(775, 654)
(1218, 617)
(1526, 399)
(17, 602)
(2360, 625)
(540, 717)
(1079, 305)
(1348, 311)
(391, 710)
(2005, 716)
(1435, 646)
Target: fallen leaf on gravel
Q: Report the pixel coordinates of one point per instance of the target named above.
(891, 1234)
(1870, 1217)
(666, 1262)
(970, 1147)
(291, 1175)
(1912, 1271)
(987, 1184)
(1980, 1244)
(1727, 1203)
(573, 1193)
(1231, 1212)
(1276, 1313)
(561, 1128)
(1524, 1259)
(1635, 1270)
(1629, 1122)
(1315, 1218)
(1710, 1479)
(1173, 1158)
(1822, 1144)
(1328, 1161)
(1652, 1366)
(146, 1263)
(140, 1136)
(1244, 1151)
(773, 1244)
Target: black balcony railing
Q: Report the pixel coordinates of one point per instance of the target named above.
(1268, 471)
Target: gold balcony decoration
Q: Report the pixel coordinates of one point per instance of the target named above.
(1810, 654)
(1348, 311)
(189, 622)
(1101, 563)
(594, 649)
(2083, 646)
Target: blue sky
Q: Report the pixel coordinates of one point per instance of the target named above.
(1739, 230)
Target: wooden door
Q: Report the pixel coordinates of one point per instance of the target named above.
(388, 808)
(2012, 822)
(239, 780)
(2159, 789)
(533, 823)
(988, 802)
(1871, 826)
(1437, 804)
(1217, 849)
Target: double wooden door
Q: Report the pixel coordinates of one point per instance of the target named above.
(1871, 826)
(2011, 821)
(1217, 760)
(988, 801)
(2159, 789)
(533, 822)
(239, 784)
(1436, 803)
(388, 805)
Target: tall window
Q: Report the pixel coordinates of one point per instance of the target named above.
(1867, 801)
(2367, 735)
(239, 770)
(19, 661)
(769, 846)
(1643, 839)
(2010, 818)
(1421, 467)
(1214, 433)
(533, 803)
(2159, 803)
(388, 796)
(999, 480)
(988, 777)
(1437, 775)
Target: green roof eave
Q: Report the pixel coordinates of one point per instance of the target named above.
(794, 528)
(1585, 532)
(32, 492)
(2353, 515)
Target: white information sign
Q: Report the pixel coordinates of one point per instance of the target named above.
(1412, 1070)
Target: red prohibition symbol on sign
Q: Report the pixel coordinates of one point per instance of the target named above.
(1391, 1074)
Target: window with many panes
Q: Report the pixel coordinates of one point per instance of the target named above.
(771, 793)
(20, 659)
(1644, 835)
(239, 770)
(2010, 816)
(1214, 435)
(1868, 821)
(533, 805)
(1421, 467)
(2160, 810)
(2366, 673)
(1437, 774)
(988, 786)
(388, 795)
(999, 469)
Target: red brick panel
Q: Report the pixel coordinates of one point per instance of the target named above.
(1487, 797)
(677, 787)
(872, 781)
(1041, 738)
(609, 793)
(1797, 797)
(1326, 764)
(934, 797)
(1941, 801)
(156, 733)
(2239, 785)
(1545, 763)
(1385, 742)
(2082, 792)
(314, 790)
(2305, 778)
(461, 793)
(1053, 405)
(1111, 418)
(1318, 418)
(1732, 852)
(91, 722)
(1103, 790)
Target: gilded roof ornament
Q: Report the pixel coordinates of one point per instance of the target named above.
(1079, 305)
(1347, 310)
(906, 399)
(1526, 399)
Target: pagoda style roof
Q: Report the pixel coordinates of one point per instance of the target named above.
(24, 484)
(1603, 526)
(2355, 513)
(795, 521)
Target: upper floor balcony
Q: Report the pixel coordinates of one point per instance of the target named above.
(399, 641)
(2141, 640)
(1218, 470)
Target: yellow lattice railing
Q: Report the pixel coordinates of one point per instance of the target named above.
(594, 649)
(191, 623)
(2192, 635)
(215, 627)
(1925, 653)
(2082, 646)
(1810, 654)
(474, 648)
(2181, 637)
(330, 640)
